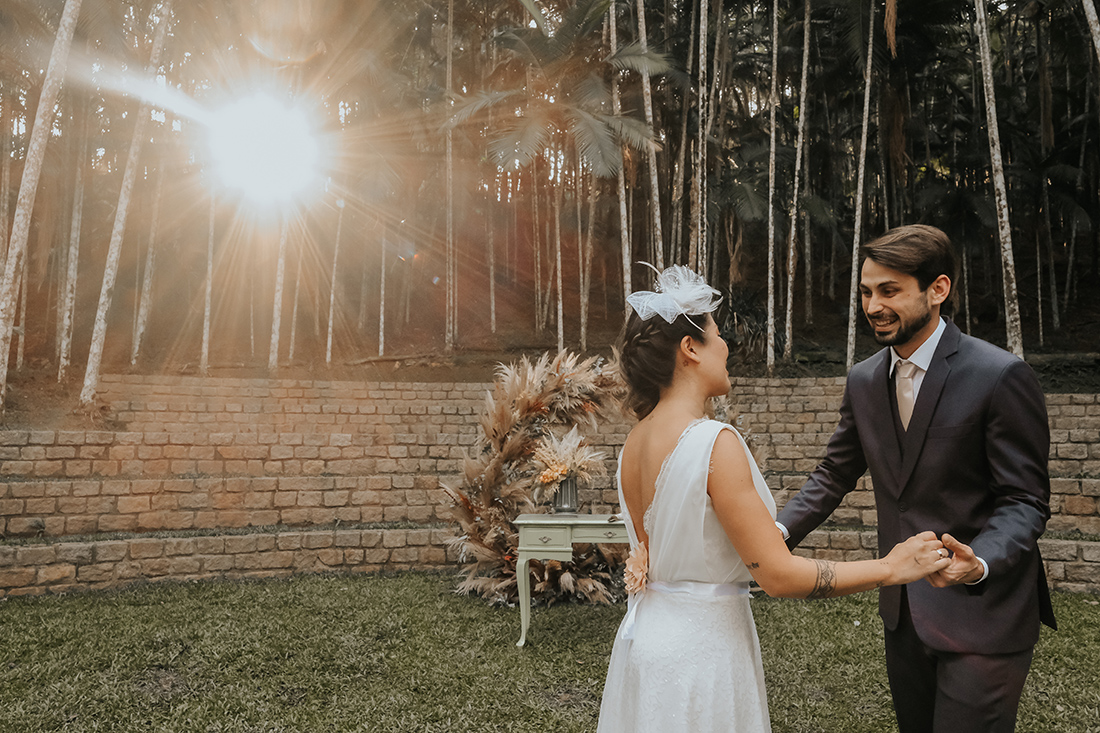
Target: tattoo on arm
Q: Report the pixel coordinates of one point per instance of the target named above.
(826, 580)
(753, 565)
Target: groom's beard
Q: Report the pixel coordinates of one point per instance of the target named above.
(906, 329)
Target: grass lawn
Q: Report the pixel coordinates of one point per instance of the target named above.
(403, 653)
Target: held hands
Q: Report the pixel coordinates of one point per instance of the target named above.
(920, 556)
(963, 568)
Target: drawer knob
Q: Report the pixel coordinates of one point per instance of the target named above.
(609, 534)
(544, 539)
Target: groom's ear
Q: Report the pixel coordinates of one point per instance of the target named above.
(940, 289)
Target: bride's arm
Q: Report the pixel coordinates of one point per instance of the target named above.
(750, 528)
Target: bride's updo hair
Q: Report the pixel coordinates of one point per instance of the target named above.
(647, 356)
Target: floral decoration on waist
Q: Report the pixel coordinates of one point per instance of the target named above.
(637, 568)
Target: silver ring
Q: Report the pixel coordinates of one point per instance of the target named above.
(941, 553)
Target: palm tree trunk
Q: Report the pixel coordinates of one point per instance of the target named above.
(277, 308)
(1046, 137)
(791, 250)
(491, 255)
(452, 302)
(22, 330)
(32, 168)
(362, 322)
(586, 270)
(557, 259)
(807, 257)
(294, 308)
(110, 273)
(620, 177)
(697, 243)
(852, 303)
(5, 170)
(332, 282)
(72, 265)
(536, 245)
(1079, 189)
(578, 192)
(251, 318)
(204, 361)
(147, 277)
(651, 148)
(382, 299)
(966, 286)
(681, 155)
(1094, 23)
(773, 102)
(1014, 332)
(1039, 284)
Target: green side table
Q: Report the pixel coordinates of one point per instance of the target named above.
(551, 537)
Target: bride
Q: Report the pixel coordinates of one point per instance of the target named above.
(701, 526)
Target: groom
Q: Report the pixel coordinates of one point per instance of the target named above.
(955, 434)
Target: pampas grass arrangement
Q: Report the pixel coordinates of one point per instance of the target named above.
(530, 440)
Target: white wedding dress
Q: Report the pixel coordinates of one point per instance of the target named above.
(686, 656)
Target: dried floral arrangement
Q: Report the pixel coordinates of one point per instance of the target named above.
(529, 442)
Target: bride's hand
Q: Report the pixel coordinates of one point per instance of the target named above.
(916, 558)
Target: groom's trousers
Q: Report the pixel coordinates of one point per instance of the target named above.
(945, 692)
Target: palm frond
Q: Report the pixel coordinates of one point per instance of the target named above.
(536, 13)
(522, 140)
(592, 93)
(596, 142)
(632, 132)
(467, 108)
(632, 57)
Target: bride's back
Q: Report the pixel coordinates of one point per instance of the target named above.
(668, 504)
(647, 448)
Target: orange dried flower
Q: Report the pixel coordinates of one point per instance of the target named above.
(637, 568)
(552, 474)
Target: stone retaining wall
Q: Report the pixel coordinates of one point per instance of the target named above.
(199, 453)
(67, 566)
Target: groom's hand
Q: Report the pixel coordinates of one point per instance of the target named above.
(964, 567)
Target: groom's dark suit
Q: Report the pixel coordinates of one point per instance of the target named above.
(973, 463)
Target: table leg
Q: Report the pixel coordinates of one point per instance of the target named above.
(523, 581)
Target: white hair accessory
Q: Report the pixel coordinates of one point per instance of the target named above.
(679, 291)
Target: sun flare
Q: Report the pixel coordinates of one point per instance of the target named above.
(264, 148)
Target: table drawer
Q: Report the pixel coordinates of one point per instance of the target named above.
(536, 537)
(609, 533)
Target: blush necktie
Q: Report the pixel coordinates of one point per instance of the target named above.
(904, 372)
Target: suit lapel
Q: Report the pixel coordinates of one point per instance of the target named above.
(883, 418)
(930, 390)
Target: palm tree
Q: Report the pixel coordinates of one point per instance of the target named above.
(340, 205)
(852, 302)
(565, 105)
(1014, 330)
(1094, 24)
(773, 103)
(277, 307)
(204, 359)
(36, 150)
(99, 332)
(147, 274)
(799, 146)
(651, 148)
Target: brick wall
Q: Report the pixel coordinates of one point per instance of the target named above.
(788, 423)
(203, 454)
(66, 566)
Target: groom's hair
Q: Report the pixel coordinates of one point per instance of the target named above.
(922, 251)
(647, 357)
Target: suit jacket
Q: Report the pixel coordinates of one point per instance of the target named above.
(972, 463)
